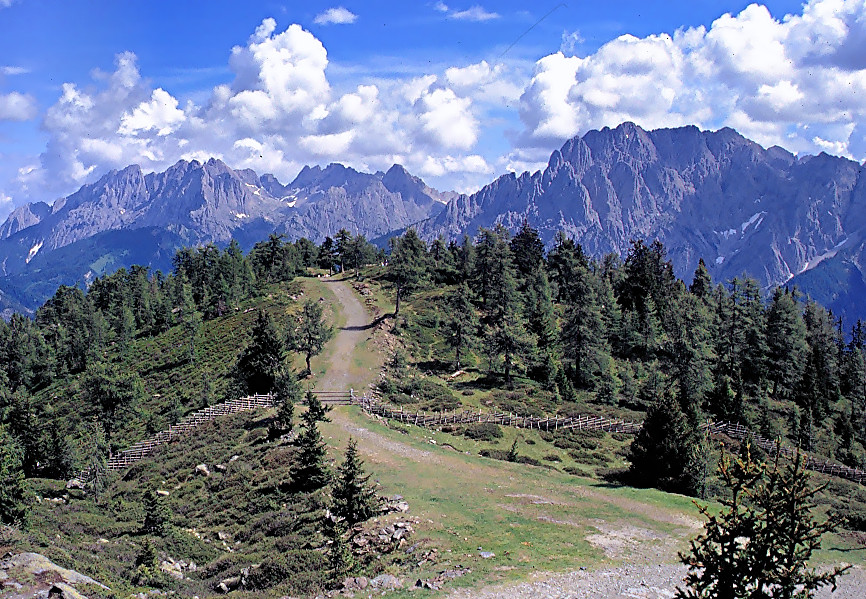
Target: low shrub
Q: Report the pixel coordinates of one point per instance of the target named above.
(486, 431)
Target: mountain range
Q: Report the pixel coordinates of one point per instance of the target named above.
(744, 209)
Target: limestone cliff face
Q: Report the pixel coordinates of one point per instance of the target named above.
(711, 195)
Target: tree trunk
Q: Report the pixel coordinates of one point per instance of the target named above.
(309, 370)
(397, 304)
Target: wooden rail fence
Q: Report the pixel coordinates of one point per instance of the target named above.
(733, 430)
(371, 405)
(126, 458)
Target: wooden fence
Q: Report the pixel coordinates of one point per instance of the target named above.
(369, 404)
(584, 422)
(555, 423)
(126, 458)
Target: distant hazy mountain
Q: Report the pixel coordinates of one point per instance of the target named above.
(130, 217)
(711, 195)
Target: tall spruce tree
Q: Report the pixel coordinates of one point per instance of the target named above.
(259, 362)
(354, 498)
(13, 486)
(309, 471)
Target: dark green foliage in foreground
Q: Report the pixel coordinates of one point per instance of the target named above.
(13, 486)
(310, 471)
(760, 544)
(354, 498)
(259, 364)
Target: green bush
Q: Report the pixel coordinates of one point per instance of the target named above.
(486, 431)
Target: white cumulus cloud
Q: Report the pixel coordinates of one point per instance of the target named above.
(799, 81)
(15, 106)
(336, 16)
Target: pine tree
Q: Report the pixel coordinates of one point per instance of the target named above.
(13, 485)
(759, 545)
(528, 251)
(666, 452)
(309, 471)
(354, 498)
(311, 333)
(156, 514)
(407, 265)
(260, 361)
(461, 324)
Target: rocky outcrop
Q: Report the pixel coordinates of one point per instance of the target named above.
(711, 195)
(26, 575)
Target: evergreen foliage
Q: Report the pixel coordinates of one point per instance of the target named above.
(760, 544)
(311, 333)
(156, 516)
(407, 265)
(310, 471)
(258, 365)
(13, 486)
(354, 498)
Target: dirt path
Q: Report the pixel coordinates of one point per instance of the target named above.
(645, 563)
(339, 374)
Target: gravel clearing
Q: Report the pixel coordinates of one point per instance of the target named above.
(647, 581)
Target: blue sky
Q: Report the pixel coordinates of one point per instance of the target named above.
(458, 92)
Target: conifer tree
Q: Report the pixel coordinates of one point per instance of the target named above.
(13, 486)
(113, 392)
(259, 363)
(340, 559)
(666, 452)
(407, 265)
(310, 471)
(354, 498)
(287, 393)
(311, 332)
(760, 544)
(786, 342)
(461, 324)
(156, 515)
(702, 283)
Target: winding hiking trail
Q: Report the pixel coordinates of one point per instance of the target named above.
(639, 548)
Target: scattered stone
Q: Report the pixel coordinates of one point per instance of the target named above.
(486, 554)
(163, 492)
(386, 582)
(62, 590)
(357, 583)
(103, 541)
(75, 483)
(234, 458)
(220, 468)
(223, 536)
(202, 470)
(171, 568)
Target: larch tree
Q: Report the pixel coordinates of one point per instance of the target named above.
(311, 333)
(461, 324)
(407, 265)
